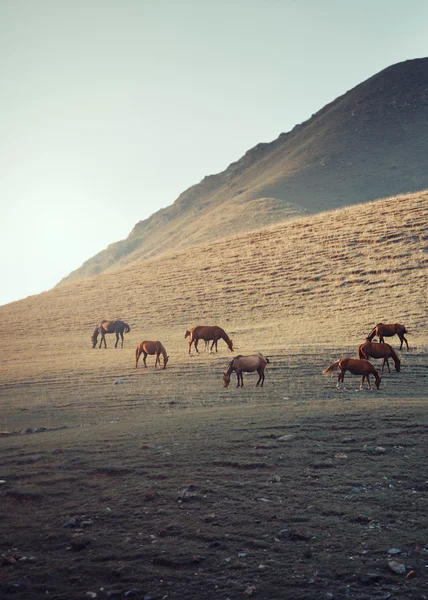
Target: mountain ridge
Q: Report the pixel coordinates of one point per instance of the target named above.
(366, 144)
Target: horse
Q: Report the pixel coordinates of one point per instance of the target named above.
(117, 327)
(151, 348)
(247, 364)
(382, 330)
(356, 366)
(207, 333)
(378, 350)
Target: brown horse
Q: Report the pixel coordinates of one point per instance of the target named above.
(151, 348)
(207, 333)
(382, 331)
(356, 366)
(117, 327)
(377, 350)
(247, 364)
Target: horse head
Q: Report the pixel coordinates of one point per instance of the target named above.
(165, 360)
(94, 337)
(226, 379)
(187, 334)
(377, 380)
(230, 345)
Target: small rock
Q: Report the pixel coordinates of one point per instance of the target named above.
(397, 567)
(91, 594)
(286, 438)
(118, 381)
(393, 551)
(71, 523)
(301, 534)
(79, 543)
(370, 578)
(285, 533)
(249, 591)
(131, 594)
(379, 450)
(275, 479)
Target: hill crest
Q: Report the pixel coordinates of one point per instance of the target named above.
(369, 143)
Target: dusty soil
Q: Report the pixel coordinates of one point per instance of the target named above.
(169, 486)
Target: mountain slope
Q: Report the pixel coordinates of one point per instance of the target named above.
(369, 143)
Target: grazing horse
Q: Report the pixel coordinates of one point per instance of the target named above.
(247, 364)
(151, 348)
(356, 366)
(207, 333)
(377, 350)
(117, 327)
(382, 330)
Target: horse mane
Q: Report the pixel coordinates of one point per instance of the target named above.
(371, 334)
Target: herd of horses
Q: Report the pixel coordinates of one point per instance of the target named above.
(258, 362)
(369, 349)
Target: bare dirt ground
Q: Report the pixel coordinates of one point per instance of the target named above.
(167, 486)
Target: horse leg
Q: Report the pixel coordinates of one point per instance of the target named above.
(117, 339)
(144, 358)
(386, 361)
(381, 339)
(406, 342)
(121, 335)
(103, 339)
(196, 346)
(157, 361)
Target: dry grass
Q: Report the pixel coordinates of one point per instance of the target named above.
(303, 293)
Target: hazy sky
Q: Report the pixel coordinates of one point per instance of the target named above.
(109, 109)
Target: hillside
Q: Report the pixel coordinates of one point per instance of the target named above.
(367, 144)
(320, 280)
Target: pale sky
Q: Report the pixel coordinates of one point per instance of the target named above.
(109, 109)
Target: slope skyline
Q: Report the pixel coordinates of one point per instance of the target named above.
(367, 144)
(99, 135)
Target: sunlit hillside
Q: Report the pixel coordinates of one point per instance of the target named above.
(369, 143)
(317, 280)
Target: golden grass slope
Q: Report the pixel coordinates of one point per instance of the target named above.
(318, 280)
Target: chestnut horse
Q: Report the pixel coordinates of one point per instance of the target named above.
(382, 330)
(151, 348)
(377, 350)
(207, 333)
(117, 327)
(356, 366)
(247, 364)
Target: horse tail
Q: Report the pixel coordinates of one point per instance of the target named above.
(372, 334)
(361, 353)
(267, 360)
(332, 369)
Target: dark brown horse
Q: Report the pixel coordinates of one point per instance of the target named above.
(152, 348)
(377, 350)
(117, 327)
(383, 331)
(246, 364)
(207, 333)
(356, 366)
